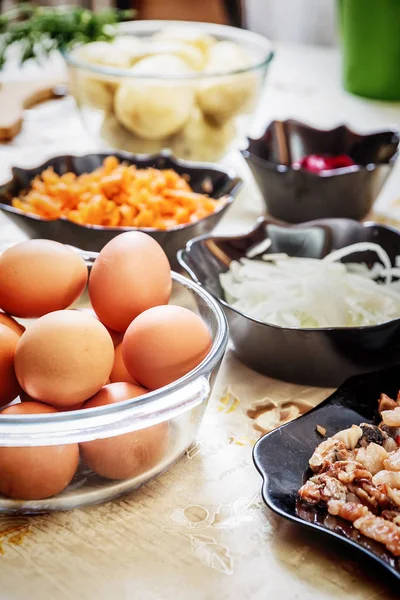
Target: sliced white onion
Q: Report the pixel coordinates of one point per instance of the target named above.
(312, 293)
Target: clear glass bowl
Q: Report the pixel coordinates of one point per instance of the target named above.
(180, 406)
(197, 115)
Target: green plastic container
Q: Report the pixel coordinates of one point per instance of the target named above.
(370, 32)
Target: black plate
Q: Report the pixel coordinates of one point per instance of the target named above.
(218, 182)
(325, 356)
(282, 457)
(296, 195)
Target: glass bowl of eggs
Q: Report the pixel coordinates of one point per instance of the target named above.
(190, 88)
(107, 362)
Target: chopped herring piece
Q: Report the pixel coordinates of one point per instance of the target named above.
(391, 417)
(394, 496)
(392, 463)
(328, 451)
(351, 511)
(390, 445)
(371, 433)
(321, 488)
(373, 527)
(349, 437)
(321, 430)
(369, 495)
(391, 478)
(386, 403)
(380, 530)
(348, 471)
(372, 457)
(390, 515)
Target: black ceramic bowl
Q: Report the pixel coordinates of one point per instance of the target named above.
(282, 457)
(203, 177)
(295, 195)
(322, 357)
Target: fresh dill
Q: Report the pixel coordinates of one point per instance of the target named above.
(38, 31)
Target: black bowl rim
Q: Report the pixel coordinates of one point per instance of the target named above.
(264, 220)
(235, 186)
(294, 518)
(248, 155)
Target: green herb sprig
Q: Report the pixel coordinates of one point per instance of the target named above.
(38, 31)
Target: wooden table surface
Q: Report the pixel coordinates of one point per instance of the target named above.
(199, 531)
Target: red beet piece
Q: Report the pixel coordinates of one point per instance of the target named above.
(324, 162)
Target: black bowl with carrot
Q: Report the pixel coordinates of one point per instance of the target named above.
(87, 200)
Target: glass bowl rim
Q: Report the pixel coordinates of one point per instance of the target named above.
(132, 27)
(67, 422)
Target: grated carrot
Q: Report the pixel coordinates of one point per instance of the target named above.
(117, 195)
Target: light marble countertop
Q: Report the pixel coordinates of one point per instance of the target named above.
(199, 531)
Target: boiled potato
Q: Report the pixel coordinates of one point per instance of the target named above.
(192, 56)
(116, 136)
(223, 98)
(99, 90)
(110, 54)
(129, 45)
(155, 109)
(190, 36)
(202, 140)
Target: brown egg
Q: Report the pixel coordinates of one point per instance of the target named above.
(163, 344)
(130, 275)
(9, 386)
(11, 323)
(23, 396)
(130, 454)
(40, 276)
(36, 472)
(116, 336)
(64, 358)
(119, 371)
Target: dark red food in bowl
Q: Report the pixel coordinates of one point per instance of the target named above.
(316, 163)
(296, 195)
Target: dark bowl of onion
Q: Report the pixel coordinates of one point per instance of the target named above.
(312, 303)
(306, 173)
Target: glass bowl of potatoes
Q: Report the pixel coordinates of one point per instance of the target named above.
(191, 88)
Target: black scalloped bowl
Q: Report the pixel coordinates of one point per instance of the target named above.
(294, 195)
(282, 458)
(95, 237)
(321, 357)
